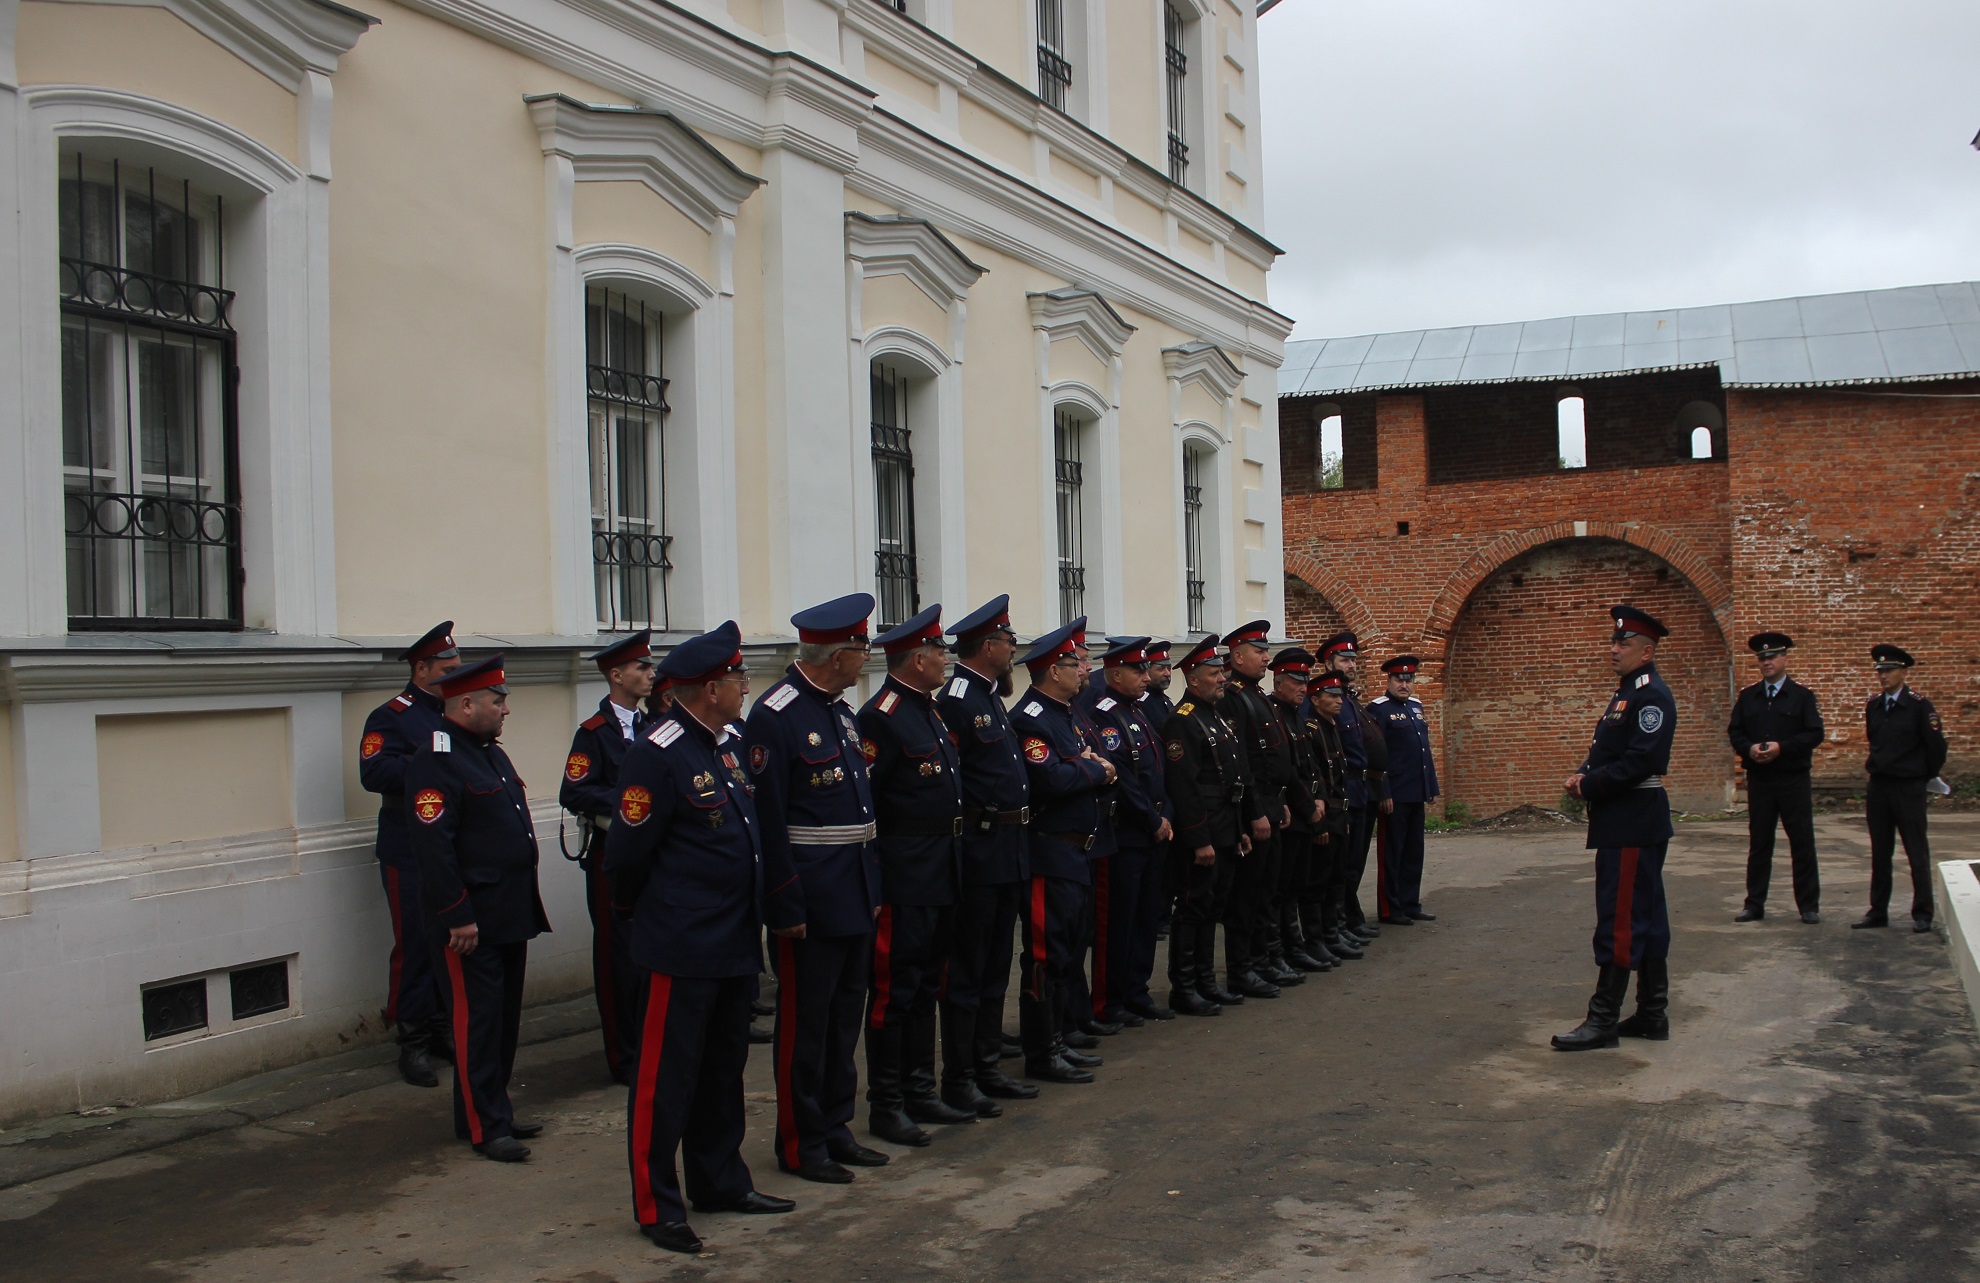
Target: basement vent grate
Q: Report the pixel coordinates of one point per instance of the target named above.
(175, 1008)
(259, 990)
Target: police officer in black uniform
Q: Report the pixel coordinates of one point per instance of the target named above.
(1629, 827)
(685, 863)
(821, 886)
(1776, 729)
(590, 791)
(1301, 876)
(1907, 749)
(1251, 926)
(1209, 786)
(476, 846)
(915, 770)
(392, 734)
(995, 857)
(1411, 783)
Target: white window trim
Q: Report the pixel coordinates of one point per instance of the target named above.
(1083, 315)
(583, 142)
(1205, 138)
(1207, 366)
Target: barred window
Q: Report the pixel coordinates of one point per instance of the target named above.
(896, 573)
(1176, 62)
(150, 448)
(1069, 478)
(1055, 72)
(628, 415)
(1194, 575)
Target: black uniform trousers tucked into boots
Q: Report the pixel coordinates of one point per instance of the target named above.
(1317, 893)
(1136, 899)
(1295, 869)
(484, 1006)
(1247, 916)
(1082, 998)
(1787, 801)
(687, 1095)
(979, 975)
(1403, 862)
(1203, 893)
(1354, 863)
(615, 980)
(821, 994)
(1055, 913)
(1896, 809)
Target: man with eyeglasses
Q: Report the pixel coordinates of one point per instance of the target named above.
(821, 886)
(1412, 786)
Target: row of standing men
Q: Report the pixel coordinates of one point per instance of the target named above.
(893, 855)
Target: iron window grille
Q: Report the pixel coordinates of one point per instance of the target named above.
(150, 431)
(628, 413)
(176, 1008)
(1055, 72)
(1176, 60)
(898, 6)
(1068, 476)
(896, 572)
(1194, 581)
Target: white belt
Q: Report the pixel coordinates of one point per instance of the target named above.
(1654, 782)
(832, 834)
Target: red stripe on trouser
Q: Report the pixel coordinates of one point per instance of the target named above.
(462, 1047)
(398, 943)
(1035, 982)
(652, 1043)
(883, 965)
(1625, 905)
(605, 981)
(786, 1048)
(1102, 884)
(1382, 867)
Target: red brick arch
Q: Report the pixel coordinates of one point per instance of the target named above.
(1336, 590)
(1480, 565)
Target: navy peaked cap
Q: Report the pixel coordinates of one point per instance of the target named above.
(707, 656)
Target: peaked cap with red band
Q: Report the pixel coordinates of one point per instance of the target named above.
(1158, 650)
(1629, 619)
(705, 658)
(1402, 664)
(1294, 661)
(991, 615)
(636, 649)
(1064, 640)
(841, 619)
(1327, 682)
(1202, 655)
(925, 629)
(1253, 634)
(1126, 650)
(1339, 642)
(483, 676)
(438, 643)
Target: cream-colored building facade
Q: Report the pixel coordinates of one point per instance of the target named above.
(553, 317)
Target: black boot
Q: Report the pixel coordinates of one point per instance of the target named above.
(1206, 968)
(990, 1077)
(1239, 974)
(918, 1094)
(885, 1117)
(1347, 948)
(1653, 999)
(415, 1066)
(959, 1087)
(1599, 1029)
(1184, 999)
(1042, 1048)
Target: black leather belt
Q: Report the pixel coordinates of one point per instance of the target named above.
(1084, 841)
(987, 820)
(921, 826)
(1374, 777)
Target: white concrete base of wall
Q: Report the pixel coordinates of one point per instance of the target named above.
(1959, 917)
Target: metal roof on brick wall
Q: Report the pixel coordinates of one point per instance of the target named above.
(1876, 336)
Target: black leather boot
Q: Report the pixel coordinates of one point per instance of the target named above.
(959, 1087)
(885, 1117)
(415, 1066)
(1206, 968)
(1346, 947)
(918, 1094)
(1653, 1000)
(991, 1079)
(1184, 999)
(1599, 1029)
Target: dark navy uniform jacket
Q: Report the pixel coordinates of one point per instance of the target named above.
(591, 770)
(813, 800)
(685, 851)
(1412, 773)
(1159, 708)
(1247, 710)
(1622, 780)
(1354, 753)
(916, 774)
(472, 835)
(1907, 742)
(1296, 723)
(392, 734)
(994, 780)
(1069, 793)
(1131, 744)
(1790, 719)
(1209, 781)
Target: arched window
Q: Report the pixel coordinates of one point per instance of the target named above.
(896, 570)
(1330, 470)
(1196, 570)
(1573, 431)
(1701, 443)
(626, 399)
(1697, 424)
(1069, 480)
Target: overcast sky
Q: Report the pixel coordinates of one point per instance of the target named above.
(1449, 162)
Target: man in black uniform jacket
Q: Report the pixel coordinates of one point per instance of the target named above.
(1907, 748)
(476, 847)
(1251, 926)
(1299, 869)
(1776, 729)
(1322, 914)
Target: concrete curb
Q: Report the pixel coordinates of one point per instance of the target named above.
(1959, 917)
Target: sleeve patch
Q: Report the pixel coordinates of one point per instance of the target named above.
(576, 767)
(1036, 750)
(869, 750)
(959, 688)
(371, 745)
(429, 805)
(1175, 750)
(1033, 709)
(889, 701)
(442, 742)
(635, 805)
(1649, 719)
(1111, 738)
(1934, 719)
(778, 700)
(759, 757)
(1106, 702)
(666, 733)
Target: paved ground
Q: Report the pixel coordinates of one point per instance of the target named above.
(1815, 1116)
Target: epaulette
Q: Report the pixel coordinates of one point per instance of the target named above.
(400, 702)
(593, 722)
(665, 733)
(1379, 699)
(888, 702)
(780, 698)
(959, 688)
(1643, 681)
(1033, 709)
(442, 742)
(1185, 708)
(1106, 702)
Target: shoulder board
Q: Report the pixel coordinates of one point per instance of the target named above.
(1414, 700)
(400, 702)
(665, 733)
(959, 688)
(779, 699)
(1033, 709)
(593, 722)
(1379, 699)
(442, 742)
(1643, 681)
(1185, 708)
(889, 701)
(1106, 702)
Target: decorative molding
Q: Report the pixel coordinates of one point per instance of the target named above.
(1204, 364)
(649, 145)
(1072, 312)
(914, 248)
(282, 39)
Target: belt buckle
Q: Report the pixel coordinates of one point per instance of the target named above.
(1088, 844)
(956, 827)
(1024, 815)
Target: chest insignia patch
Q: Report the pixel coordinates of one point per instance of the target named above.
(1175, 750)
(429, 805)
(759, 757)
(1036, 750)
(371, 746)
(576, 767)
(1649, 718)
(705, 781)
(1111, 738)
(869, 750)
(635, 804)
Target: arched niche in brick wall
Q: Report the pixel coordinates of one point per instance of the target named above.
(1527, 673)
(1327, 604)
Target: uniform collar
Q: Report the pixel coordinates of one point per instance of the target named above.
(1058, 703)
(900, 687)
(418, 696)
(692, 725)
(1628, 680)
(472, 737)
(796, 677)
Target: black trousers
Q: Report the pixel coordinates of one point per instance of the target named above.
(1896, 809)
(1140, 894)
(979, 975)
(910, 942)
(1203, 891)
(1354, 862)
(1295, 871)
(615, 980)
(1248, 912)
(413, 996)
(821, 994)
(1790, 803)
(484, 1008)
(1319, 892)
(1055, 914)
(1078, 996)
(1403, 865)
(687, 1095)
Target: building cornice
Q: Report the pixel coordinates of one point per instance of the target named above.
(284, 40)
(648, 145)
(913, 247)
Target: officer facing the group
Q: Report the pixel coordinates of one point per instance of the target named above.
(1629, 827)
(685, 863)
(396, 730)
(1907, 749)
(1251, 925)
(1209, 786)
(1067, 778)
(1412, 785)
(476, 847)
(995, 862)
(590, 791)
(1776, 729)
(915, 771)
(821, 886)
